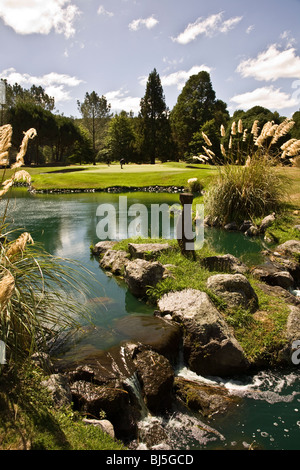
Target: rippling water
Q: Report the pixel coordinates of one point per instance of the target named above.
(269, 415)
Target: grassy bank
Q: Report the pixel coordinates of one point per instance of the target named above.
(261, 334)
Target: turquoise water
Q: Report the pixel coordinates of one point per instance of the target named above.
(65, 224)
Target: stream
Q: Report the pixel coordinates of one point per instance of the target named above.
(269, 414)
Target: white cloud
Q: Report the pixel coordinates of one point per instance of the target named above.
(208, 26)
(39, 16)
(149, 23)
(102, 11)
(55, 84)
(250, 29)
(179, 78)
(269, 97)
(120, 101)
(271, 65)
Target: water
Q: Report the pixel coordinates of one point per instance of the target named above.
(269, 416)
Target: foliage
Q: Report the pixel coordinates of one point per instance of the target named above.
(121, 138)
(95, 113)
(195, 106)
(154, 125)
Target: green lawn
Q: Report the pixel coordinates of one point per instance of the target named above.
(103, 176)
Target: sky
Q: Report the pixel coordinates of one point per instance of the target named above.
(250, 48)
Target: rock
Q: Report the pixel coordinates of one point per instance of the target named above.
(297, 228)
(114, 261)
(156, 377)
(203, 398)
(102, 247)
(154, 332)
(225, 263)
(147, 250)
(252, 231)
(245, 226)
(95, 399)
(103, 424)
(271, 274)
(292, 334)
(153, 435)
(232, 226)
(278, 291)
(140, 274)
(58, 386)
(267, 222)
(290, 247)
(209, 347)
(234, 289)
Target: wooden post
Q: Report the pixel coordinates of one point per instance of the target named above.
(185, 236)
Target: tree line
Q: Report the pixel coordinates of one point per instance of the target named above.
(157, 133)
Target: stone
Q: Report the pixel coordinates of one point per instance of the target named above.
(297, 228)
(290, 247)
(292, 334)
(278, 291)
(147, 250)
(232, 226)
(204, 398)
(234, 289)
(59, 388)
(267, 222)
(140, 274)
(252, 231)
(224, 263)
(43, 361)
(209, 346)
(102, 247)
(273, 275)
(245, 226)
(114, 261)
(156, 377)
(103, 424)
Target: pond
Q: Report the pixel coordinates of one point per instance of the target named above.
(66, 226)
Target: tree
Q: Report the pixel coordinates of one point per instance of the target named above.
(154, 126)
(95, 112)
(15, 94)
(121, 138)
(195, 105)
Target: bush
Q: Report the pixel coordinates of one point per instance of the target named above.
(246, 192)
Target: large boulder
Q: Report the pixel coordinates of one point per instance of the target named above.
(114, 261)
(234, 289)
(156, 377)
(101, 247)
(209, 346)
(273, 275)
(140, 274)
(204, 398)
(267, 222)
(224, 263)
(147, 250)
(291, 247)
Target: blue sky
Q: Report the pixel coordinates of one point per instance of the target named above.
(70, 47)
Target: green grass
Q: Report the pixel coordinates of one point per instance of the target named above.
(103, 176)
(261, 335)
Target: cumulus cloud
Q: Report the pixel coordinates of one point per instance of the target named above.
(104, 12)
(121, 101)
(208, 26)
(269, 97)
(271, 65)
(149, 23)
(55, 84)
(180, 77)
(39, 16)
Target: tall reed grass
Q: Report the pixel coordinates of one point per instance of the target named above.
(249, 184)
